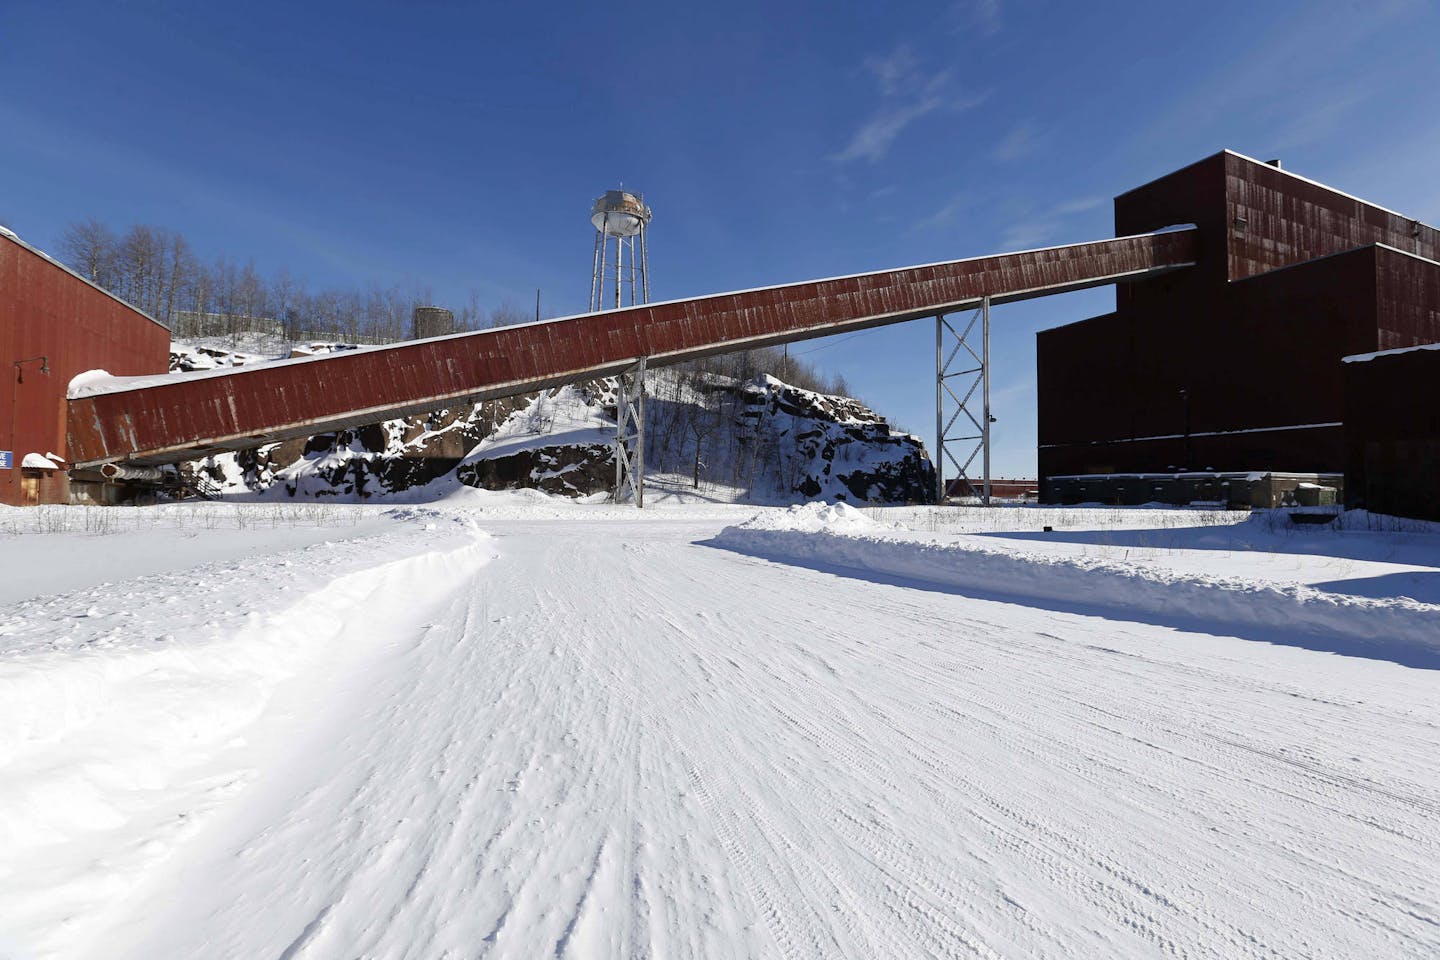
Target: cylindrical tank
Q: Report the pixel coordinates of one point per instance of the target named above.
(432, 322)
(619, 214)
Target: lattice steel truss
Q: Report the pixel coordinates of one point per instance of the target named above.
(630, 434)
(955, 396)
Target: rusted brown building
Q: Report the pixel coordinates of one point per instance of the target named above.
(1234, 365)
(54, 325)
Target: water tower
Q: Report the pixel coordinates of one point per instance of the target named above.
(621, 217)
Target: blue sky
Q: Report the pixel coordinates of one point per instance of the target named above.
(458, 146)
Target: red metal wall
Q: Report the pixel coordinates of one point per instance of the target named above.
(1392, 434)
(258, 404)
(1250, 350)
(45, 310)
(1288, 219)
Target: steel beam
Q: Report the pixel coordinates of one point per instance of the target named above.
(959, 386)
(189, 415)
(630, 434)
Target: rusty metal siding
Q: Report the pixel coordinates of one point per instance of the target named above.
(1248, 451)
(1080, 368)
(1392, 434)
(253, 405)
(1253, 335)
(1257, 354)
(1193, 194)
(1408, 300)
(1290, 220)
(47, 311)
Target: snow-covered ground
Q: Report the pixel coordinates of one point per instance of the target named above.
(514, 726)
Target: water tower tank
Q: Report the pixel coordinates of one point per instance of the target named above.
(619, 214)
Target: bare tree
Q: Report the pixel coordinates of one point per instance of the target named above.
(508, 314)
(91, 248)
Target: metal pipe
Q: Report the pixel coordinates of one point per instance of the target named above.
(124, 471)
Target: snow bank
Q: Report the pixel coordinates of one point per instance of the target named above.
(145, 714)
(838, 518)
(830, 537)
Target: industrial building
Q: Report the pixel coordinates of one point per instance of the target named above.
(1240, 288)
(55, 324)
(1207, 381)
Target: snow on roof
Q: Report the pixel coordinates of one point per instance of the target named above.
(36, 461)
(1364, 357)
(94, 382)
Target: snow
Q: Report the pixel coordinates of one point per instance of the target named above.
(36, 461)
(508, 725)
(1397, 628)
(558, 418)
(1367, 357)
(111, 384)
(85, 379)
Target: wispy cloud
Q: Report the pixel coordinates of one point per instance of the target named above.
(1320, 121)
(945, 214)
(1082, 205)
(894, 71)
(1294, 80)
(1019, 143)
(1042, 230)
(908, 92)
(878, 134)
(980, 16)
(1029, 235)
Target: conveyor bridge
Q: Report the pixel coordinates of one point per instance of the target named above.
(145, 421)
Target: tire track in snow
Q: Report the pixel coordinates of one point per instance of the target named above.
(709, 755)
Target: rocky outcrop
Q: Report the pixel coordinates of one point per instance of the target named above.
(842, 449)
(762, 440)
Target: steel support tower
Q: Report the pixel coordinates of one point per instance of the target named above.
(955, 394)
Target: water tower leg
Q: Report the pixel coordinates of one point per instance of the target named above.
(630, 434)
(600, 278)
(644, 267)
(595, 274)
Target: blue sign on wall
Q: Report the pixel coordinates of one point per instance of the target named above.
(7, 459)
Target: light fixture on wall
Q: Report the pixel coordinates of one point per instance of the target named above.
(20, 371)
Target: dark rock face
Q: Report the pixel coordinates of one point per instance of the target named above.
(572, 470)
(841, 449)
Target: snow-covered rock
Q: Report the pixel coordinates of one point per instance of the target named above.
(761, 439)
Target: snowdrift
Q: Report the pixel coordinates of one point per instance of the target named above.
(840, 538)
